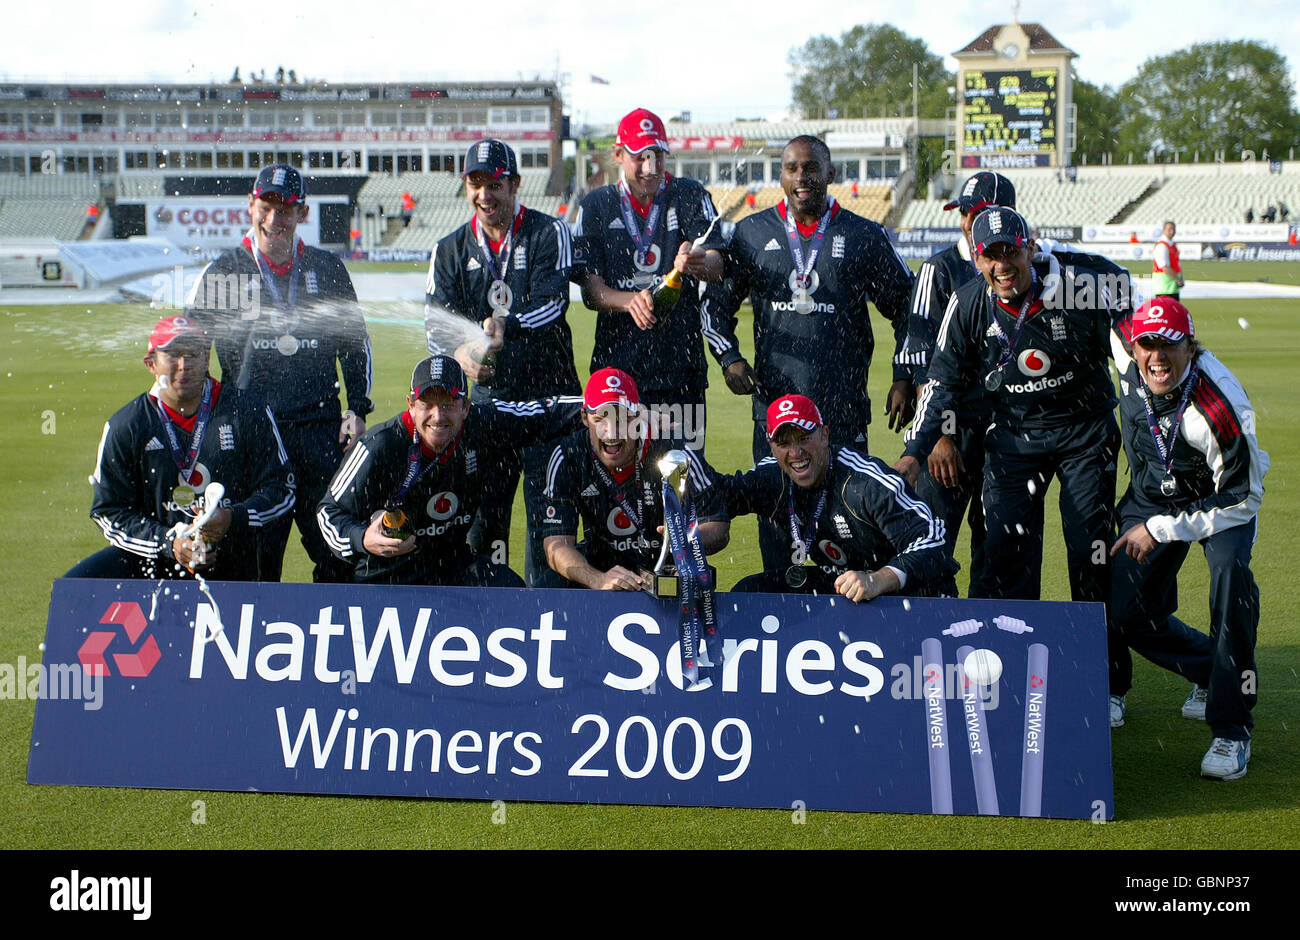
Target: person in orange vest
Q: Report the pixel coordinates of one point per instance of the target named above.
(1166, 272)
(408, 209)
(853, 190)
(92, 213)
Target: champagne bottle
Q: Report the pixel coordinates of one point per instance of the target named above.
(394, 524)
(665, 297)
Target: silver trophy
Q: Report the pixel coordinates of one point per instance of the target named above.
(673, 466)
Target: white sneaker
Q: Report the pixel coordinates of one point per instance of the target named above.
(1194, 707)
(1116, 711)
(1226, 760)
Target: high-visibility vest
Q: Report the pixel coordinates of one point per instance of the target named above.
(1162, 279)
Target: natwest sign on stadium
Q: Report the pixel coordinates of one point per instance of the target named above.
(577, 696)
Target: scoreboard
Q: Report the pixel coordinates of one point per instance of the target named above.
(1010, 117)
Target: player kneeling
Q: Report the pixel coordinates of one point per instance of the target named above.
(608, 475)
(425, 471)
(160, 457)
(855, 526)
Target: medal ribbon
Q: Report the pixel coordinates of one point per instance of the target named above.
(633, 514)
(268, 278)
(802, 270)
(498, 273)
(1165, 445)
(796, 530)
(642, 238)
(1009, 344)
(187, 464)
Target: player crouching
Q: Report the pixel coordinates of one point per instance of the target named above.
(425, 470)
(607, 474)
(161, 452)
(855, 526)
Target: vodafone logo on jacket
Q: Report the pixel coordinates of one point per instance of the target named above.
(618, 523)
(442, 506)
(1034, 362)
(833, 552)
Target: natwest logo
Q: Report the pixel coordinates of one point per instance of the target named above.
(130, 618)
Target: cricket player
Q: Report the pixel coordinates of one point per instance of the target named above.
(854, 527)
(607, 475)
(1035, 331)
(284, 319)
(952, 477)
(508, 269)
(809, 267)
(160, 453)
(435, 462)
(627, 237)
(1196, 475)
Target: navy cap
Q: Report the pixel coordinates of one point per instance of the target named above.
(982, 190)
(282, 179)
(493, 157)
(998, 224)
(441, 372)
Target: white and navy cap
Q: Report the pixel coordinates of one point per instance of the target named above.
(493, 157)
(441, 372)
(982, 190)
(282, 179)
(998, 224)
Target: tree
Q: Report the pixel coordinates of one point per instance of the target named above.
(1229, 96)
(867, 72)
(1100, 116)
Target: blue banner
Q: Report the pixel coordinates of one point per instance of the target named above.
(897, 705)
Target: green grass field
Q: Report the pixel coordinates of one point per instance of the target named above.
(65, 369)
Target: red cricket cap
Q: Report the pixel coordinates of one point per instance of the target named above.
(799, 410)
(169, 329)
(1160, 316)
(611, 387)
(640, 130)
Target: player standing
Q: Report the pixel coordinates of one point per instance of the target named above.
(627, 236)
(1197, 475)
(1035, 331)
(952, 478)
(284, 319)
(159, 454)
(507, 268)
(809, 267)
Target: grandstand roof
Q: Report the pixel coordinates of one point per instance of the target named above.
(1040, 40)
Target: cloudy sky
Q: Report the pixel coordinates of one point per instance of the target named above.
(720, 59)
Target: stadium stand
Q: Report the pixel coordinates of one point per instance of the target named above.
(1220, 197)
(49, 205)
(1097, 196)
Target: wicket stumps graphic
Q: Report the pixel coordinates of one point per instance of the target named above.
(1035, 735)
(1033, 738)
(936, 727)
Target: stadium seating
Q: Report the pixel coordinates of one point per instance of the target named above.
(1096, 197)
(22, 217)
(1219, 197)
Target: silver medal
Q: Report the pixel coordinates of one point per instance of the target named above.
(803, 302)
(1169, 485)
(796, 576)
(500, 297)
(287, 344)
(993, 381)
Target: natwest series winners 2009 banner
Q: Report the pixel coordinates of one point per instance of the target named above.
(916, 706)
